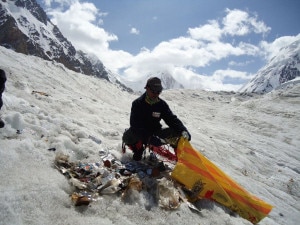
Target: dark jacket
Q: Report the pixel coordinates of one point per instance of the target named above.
(145, 118)
(2, 85)
(2, 81)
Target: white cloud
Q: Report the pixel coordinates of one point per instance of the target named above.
(134, 31)
(244, 63)
(201, 47)
(240, 23)
(217, 80)
(214, 82)
(208, 32)
(77, 23)
(80, 23)
(221, 74)
(60, 2)
(236, 23)
(271, 49)
(47, 2)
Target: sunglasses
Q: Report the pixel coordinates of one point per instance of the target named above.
(155, 92)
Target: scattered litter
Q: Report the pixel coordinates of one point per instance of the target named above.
(110, 187)
(97, 140)
(168, 194)
(134, 184)
(77, 183)
(111, 176)
(183, 197)
(40, 92)
(80, 199)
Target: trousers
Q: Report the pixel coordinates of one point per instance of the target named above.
(167, 134)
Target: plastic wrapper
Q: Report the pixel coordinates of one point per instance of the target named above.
(168, 195)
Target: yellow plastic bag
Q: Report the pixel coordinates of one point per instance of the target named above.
(206, 180)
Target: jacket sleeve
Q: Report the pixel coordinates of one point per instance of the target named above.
(136, 120)
(172, 120)
(2, 83)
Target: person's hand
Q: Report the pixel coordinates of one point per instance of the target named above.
(186, 135)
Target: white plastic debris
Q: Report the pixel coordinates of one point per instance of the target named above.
(168, 195)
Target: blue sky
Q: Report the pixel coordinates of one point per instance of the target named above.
(212, 44)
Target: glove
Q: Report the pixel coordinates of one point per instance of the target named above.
(186, 135)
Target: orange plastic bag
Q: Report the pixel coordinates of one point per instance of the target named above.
(206, 180)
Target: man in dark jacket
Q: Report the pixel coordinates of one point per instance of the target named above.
(2, 87)
(146, 113)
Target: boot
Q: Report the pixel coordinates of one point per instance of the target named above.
(138, 150)
(137, 155)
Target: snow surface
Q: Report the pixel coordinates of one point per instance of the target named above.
(254, 139)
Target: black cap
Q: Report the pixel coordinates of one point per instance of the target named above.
(154, 83)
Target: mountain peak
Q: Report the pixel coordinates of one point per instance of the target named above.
(284, 67)
(25, 28)
(34, 8)
(168, 82)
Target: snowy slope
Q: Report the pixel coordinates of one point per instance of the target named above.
(254, 139)
(282, 68)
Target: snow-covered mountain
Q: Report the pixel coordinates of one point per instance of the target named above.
(168, 82)
(280, 69)
(25, 28)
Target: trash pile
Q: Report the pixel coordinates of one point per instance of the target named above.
(111, 176)
(193, 177)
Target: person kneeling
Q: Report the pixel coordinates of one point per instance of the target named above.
(146, 113)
